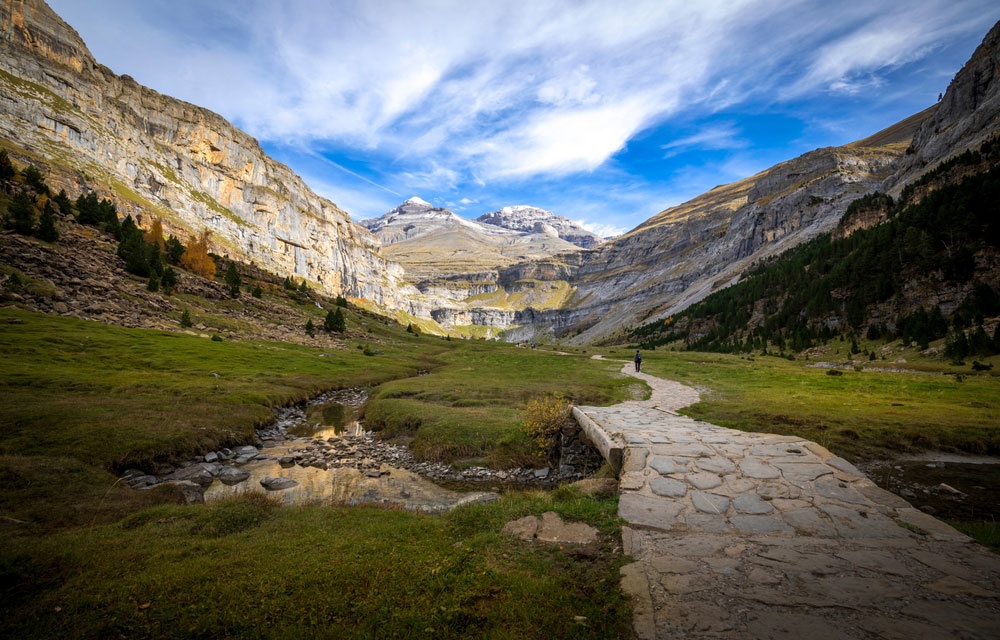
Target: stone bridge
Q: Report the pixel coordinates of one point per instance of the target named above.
(751, 535)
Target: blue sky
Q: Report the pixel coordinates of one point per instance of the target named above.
(603, 112)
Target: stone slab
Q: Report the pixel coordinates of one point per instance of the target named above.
(649, 511)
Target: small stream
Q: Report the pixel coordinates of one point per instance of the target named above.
(319, 453)
(324, 451)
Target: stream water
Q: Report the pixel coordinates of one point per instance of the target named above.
(349, 471)
(944, 485)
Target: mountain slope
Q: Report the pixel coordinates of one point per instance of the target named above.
(156, 156)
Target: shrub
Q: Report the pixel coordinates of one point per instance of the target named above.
(834, 372)
(257, 292)
(186, 319)
(542, 420)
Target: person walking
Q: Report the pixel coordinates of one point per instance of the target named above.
(637, 360)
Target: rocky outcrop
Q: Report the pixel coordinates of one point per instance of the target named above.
(156, 156)
(967, 115)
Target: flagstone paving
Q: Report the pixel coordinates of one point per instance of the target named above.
(753, 535)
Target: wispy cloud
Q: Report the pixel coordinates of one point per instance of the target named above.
(715, 137)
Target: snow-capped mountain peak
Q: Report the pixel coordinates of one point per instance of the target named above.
(527, 219)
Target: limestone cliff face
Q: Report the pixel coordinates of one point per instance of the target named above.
(967, 115)
(158, 156)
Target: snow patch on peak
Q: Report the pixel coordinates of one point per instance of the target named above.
(418, 200)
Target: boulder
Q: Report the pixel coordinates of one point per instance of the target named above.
(233, 475)
(278, 484)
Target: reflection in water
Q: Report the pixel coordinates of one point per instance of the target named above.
(333, 418)
(387, 486)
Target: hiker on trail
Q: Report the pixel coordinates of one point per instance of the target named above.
(638, 360)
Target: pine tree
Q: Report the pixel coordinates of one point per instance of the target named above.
(341, 301)
(174, 250)
(310, 328)
(335, 321)
(257, 291)
(186, 318)
(169, 280)
(7, 170)
(133, 249)
(153, 284)
(233, 280)
(22, 213)
(304, 287)
(61, 200)
(47, 223)
(34, 179)
(88, 209)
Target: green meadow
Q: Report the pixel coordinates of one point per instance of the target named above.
(82, 401)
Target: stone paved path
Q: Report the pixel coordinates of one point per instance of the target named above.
(751, 535)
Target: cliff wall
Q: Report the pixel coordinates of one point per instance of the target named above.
(158, 156)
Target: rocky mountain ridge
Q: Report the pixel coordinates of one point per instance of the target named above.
(156, 156)
(458, 264)
(529, 219)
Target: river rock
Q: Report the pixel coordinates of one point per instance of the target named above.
(233, 475)
(190, 492)
(278, 484)
(195, 473)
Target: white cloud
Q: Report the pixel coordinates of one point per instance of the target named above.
(603, 230)
(561, 142)
(457, 95)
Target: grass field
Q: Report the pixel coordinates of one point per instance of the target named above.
(89, 558)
